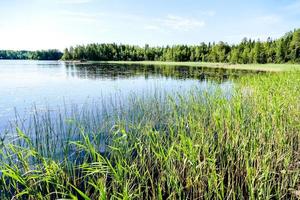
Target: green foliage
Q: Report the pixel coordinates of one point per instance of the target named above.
(197, 146)
(51, 54)
(285, 49)
(295, 46)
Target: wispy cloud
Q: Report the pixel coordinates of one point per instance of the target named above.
(80, 16)
(170, 22)
(209, 13)
(180, 23)
(73, 1)
(152, 27)
(269, 19)
(99, 15)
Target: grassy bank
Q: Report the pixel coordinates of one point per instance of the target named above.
(198, 146)
(258, 67)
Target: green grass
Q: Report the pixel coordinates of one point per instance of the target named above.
(260, 67)
(197, 146)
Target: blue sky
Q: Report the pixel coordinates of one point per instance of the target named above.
(43, 24)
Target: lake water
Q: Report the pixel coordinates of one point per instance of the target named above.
(28, 85)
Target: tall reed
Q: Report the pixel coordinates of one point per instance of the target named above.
(201, 145)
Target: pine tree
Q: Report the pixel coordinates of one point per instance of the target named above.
(295, 46)
(280, 52)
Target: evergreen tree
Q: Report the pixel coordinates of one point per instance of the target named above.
(295, 46)
(280, 51)
(285, 49)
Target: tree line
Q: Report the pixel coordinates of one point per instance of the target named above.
(282, 50)
(51, 54)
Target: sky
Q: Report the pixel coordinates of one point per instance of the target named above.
(57, 24)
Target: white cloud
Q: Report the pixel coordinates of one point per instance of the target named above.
(181, 23)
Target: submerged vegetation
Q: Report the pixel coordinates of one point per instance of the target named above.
(198, 146)
(179, 71)
(282, 50)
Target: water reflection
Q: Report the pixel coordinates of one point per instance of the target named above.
(55, 84)
(123, 71)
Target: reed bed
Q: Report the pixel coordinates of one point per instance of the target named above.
(200, 145)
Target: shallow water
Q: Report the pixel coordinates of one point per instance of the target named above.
(29, 85)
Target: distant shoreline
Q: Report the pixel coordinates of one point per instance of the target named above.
(258, 67)
(268, 67)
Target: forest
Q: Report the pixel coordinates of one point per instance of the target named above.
(51, 54)
(282, 50)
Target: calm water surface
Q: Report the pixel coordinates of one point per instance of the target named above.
(27, 85)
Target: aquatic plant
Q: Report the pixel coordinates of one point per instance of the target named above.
(202, 145)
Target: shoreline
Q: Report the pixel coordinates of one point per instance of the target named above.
(253, 67)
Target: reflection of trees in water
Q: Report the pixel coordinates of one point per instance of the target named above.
(121, 71)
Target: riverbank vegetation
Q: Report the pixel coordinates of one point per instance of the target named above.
(204, 145)
(51, 54)
(283, 50)
(206, 65)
